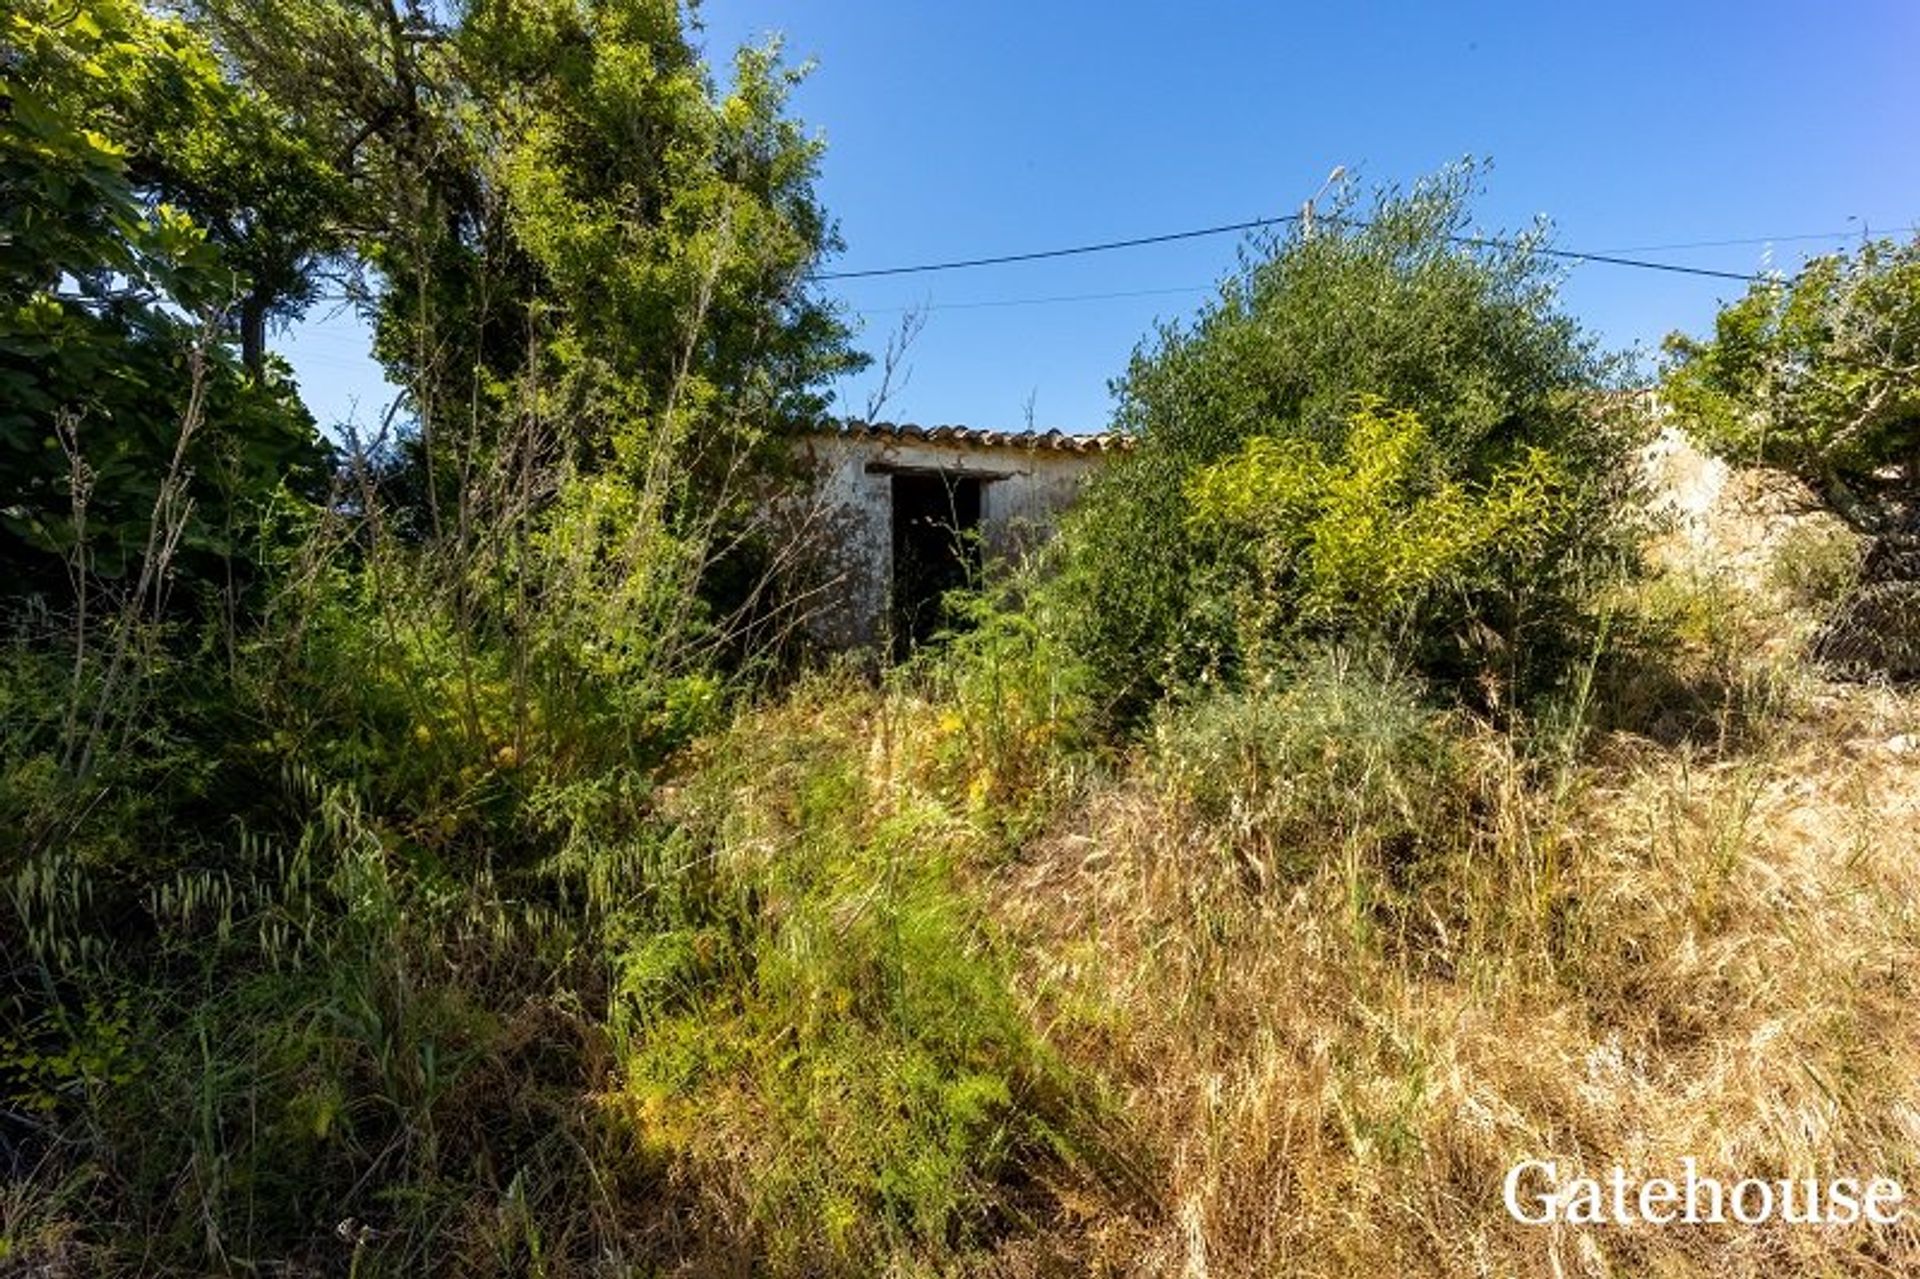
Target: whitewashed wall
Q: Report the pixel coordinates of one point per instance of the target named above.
(850, 515)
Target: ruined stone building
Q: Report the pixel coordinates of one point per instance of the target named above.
(906, 513)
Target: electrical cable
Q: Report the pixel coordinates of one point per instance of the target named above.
(1606, 257)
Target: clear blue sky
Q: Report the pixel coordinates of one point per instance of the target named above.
(973, 130)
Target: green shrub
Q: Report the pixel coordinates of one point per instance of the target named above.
(1466, 337)
(832, 1046)
(1374, 542)
(1015, 707)
(1816, 565)
(1334, 754)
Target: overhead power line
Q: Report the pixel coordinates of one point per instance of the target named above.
(1606, 258)
(1140, 242)
(1748, 241)
(978, 304)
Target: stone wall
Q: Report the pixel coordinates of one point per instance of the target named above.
(1026, 482)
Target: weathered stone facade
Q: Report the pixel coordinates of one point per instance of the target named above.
(1009, 488)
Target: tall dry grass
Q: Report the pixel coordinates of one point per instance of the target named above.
(1598, 949)
(931, 978)
(1321, 962)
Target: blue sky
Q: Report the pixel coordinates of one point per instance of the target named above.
(989, 128)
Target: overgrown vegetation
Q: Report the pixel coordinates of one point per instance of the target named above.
(1331, 348)
(424, 851)
(1818, 376)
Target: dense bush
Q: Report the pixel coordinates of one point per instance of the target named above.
(1373, 540)
(1395, 306)
(128, 422)
(1336, 754)
(1015, 708)
(833, 1045)
(1817, 376)
(307, 907)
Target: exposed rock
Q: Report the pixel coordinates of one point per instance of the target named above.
(1723, 520)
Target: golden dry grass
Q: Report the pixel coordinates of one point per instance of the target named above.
(1317, 1049)
(1662, 952)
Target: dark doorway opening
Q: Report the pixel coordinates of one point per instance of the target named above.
(936, 549)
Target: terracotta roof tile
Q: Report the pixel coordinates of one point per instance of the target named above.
(1054, 439)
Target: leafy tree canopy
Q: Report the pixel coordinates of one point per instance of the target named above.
(1479, 384)
(1819, 376)
(113, 305)
(558, 190)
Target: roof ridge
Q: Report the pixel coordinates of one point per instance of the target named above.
(1028, 437)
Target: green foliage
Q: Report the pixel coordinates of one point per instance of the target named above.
(1377, 541)
(847, 1059)
(641, 194)
(356, 931)
(571, 222)
(93, 1052)
(1467, 337)
(593, 264)
(308, 905)
(498, 735)
(121, 403)
(235, 162)
(1336, 753)
(1819, 376)
(1015, 707)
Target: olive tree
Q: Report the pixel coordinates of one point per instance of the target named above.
(1818, 376)
(1390, 327)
